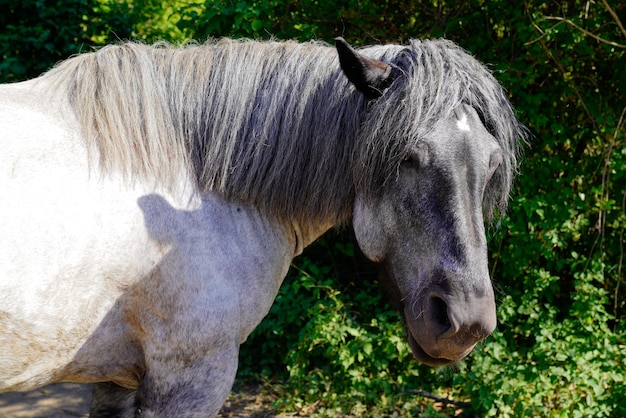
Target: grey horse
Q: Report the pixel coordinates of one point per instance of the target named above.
(152, 199)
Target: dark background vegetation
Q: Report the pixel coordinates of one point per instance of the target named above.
(331, 345)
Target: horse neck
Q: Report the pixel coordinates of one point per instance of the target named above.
(276, 129)
(306, 234)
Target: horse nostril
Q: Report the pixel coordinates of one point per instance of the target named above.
(439, 313)
(447, 317)
(452, 323)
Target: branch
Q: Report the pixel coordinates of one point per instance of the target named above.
(436, 398)
(617, 21)
(585, 31)
(543, 33)
(621, 233)
(561, 69)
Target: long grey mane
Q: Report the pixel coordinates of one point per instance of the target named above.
(276, 124)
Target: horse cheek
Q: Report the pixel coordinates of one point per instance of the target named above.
(368, 223)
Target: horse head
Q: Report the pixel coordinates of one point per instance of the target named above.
(427, 229)
(425, 224)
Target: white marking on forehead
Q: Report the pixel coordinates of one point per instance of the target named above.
(462, 123)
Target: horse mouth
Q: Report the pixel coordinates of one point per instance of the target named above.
(441, 352)
(421, 355)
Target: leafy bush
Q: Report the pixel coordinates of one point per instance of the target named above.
(31, 39)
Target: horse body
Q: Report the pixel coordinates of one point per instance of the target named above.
(84, 261)
(43, 253)
(150, 214)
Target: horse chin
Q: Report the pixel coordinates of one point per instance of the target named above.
(421, 355)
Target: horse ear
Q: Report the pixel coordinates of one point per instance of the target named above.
(370, 76)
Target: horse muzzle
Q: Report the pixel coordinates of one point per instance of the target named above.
(444, 328)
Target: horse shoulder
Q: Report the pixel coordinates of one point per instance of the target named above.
(225, 251)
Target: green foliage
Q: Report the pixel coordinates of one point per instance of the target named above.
(303, 20)
(143, 20)
(557, 259)
(34, 35)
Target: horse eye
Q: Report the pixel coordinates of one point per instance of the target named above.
(410, 161)
(419, 158)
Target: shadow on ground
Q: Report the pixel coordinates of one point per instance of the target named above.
(62, 400)
(68, 400)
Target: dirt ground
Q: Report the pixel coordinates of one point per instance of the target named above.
(68, 400)
(62, 400)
